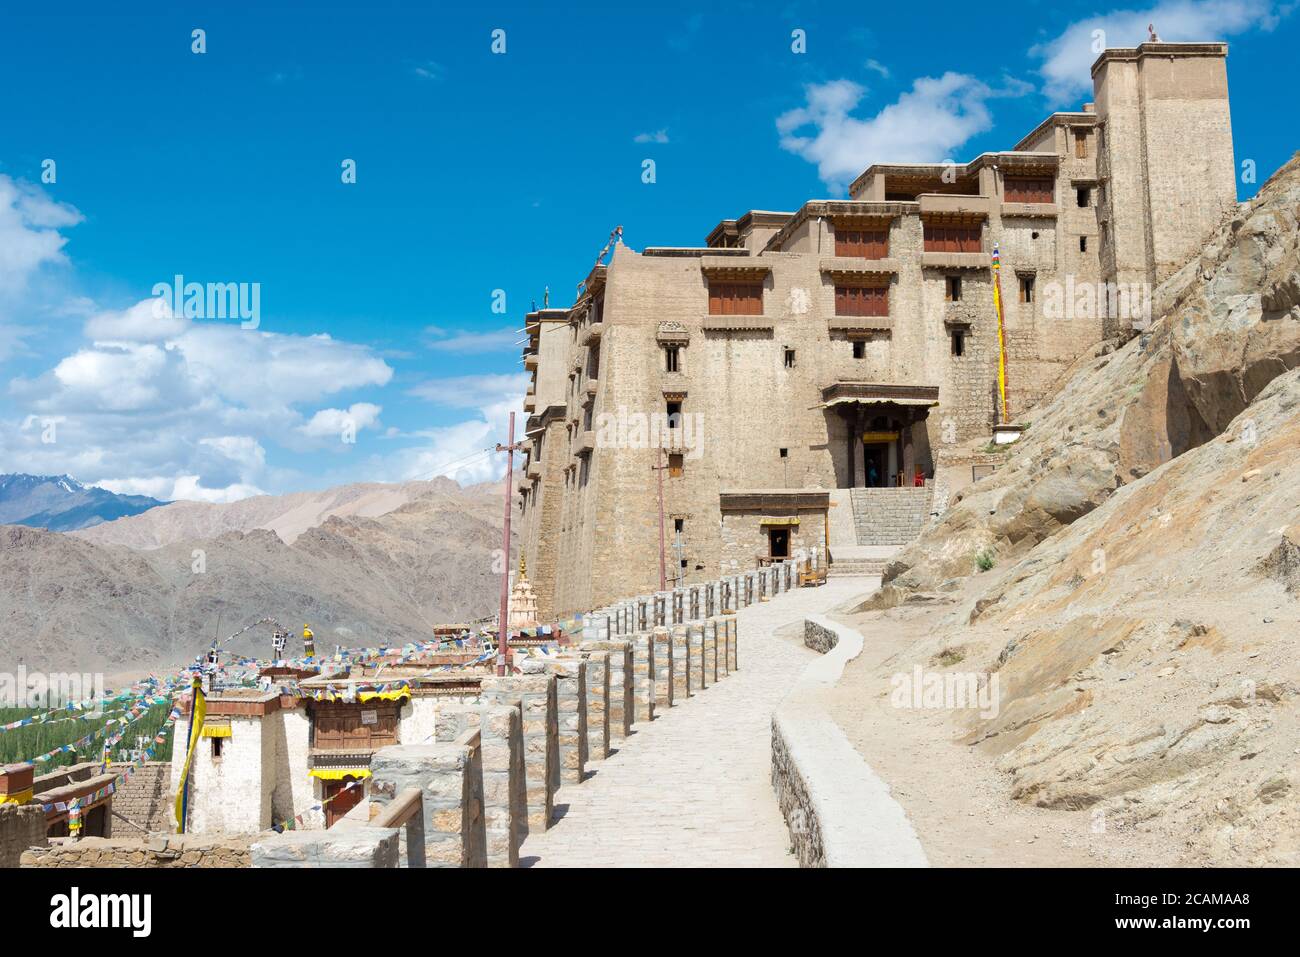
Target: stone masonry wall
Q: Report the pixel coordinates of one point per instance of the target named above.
(158, 851)
(21, 826)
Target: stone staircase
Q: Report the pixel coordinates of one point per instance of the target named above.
(856, 567)
(890, 516)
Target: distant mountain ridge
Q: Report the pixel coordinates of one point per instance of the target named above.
(288, 516)
(62, 504)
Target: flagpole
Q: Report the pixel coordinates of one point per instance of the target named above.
(1002, 347)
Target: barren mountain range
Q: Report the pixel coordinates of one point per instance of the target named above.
(363, 565)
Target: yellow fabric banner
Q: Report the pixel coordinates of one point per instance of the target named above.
(198, 711)
(338, 774)
(216, 731)
(397, 695)
(18, 797)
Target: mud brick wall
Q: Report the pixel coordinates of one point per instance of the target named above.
(145, 798)
(22, 826)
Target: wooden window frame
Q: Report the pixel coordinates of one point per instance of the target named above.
(732, 298)
(862, 301)
(1029, 189)
(854, 242)
(953, 238)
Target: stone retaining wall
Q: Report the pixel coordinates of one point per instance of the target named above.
(158, 851)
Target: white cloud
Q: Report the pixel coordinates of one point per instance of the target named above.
(332, 423)
(658, 136)
(429, 70)
(29, 232)
(467, 341)
(925, 124)
(146, 321)
(182, 409)
(470, 391)
(878, 67)
(1068, 57)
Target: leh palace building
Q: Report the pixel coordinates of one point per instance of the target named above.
(800, 377)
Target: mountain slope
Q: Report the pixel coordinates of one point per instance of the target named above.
(61, 503)
(286, 515)
(69, 604)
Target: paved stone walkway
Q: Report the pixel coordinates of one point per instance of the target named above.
(692, 788)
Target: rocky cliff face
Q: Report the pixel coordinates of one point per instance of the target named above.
(1142, 617)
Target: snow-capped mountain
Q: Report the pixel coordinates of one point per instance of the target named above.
(61, 503)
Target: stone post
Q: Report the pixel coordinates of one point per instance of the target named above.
(535, 697)
(718, 628)
(663, 668)
(598, 692)
(710, 599)
(696, 642)
(505, 795)
(681, 663)
(621, 703)
(663, 608)
(450, 777)
(710, 653)
(571, 706)
(679, 606)
(643, 675)
(733, 636)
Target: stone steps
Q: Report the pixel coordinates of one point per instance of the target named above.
(890, 516)
(856, 567)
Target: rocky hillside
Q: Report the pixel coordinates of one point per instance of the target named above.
(61, 503)
(73, 604)
(1142, 615)
(286, 515)
(1225, 326)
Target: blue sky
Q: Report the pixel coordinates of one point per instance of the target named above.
(475, 172)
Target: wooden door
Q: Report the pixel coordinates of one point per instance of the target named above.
(341, 798)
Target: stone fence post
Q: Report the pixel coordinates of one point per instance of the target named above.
(681, 663)
(663, 668)
(535, 697)
(643, 675)
(621, 704)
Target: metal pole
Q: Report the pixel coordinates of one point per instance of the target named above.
(503, 629)
(659, 469)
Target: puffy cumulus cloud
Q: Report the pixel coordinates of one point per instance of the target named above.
(183, 409)
(1067, 58)
(147, 321)
(333, 423)
(29, 232)
(924, 125)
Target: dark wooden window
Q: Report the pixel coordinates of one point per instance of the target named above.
(952, 289)
(735, 298)
(676, 464)
(672, 358)
(789, 358)
(1083, 197)
(862, 243)
(1080, 143)
(861, 300)
(952, 239)
(1083, 244)
(674, 411)
(1026, 288)
(1027, 190)
(958, 342)
(347, 727)
(859, 349)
